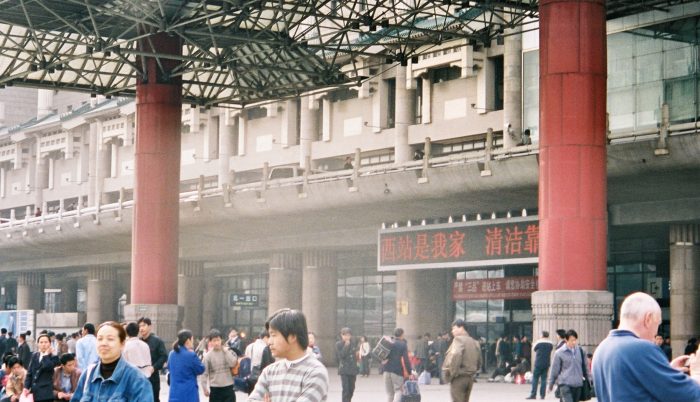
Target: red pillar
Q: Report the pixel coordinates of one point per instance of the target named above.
(157, 184)
(573, 181)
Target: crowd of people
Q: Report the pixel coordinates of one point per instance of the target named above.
(124, 361)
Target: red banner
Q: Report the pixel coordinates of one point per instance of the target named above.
(515, 287)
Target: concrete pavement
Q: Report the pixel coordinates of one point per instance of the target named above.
(371, 389)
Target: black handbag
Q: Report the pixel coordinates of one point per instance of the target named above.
(586, 388)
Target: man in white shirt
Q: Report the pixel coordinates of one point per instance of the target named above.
(255, 350)
(86, 347)
(137, 351)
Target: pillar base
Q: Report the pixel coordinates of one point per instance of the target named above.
(166, 318)
(588, 312)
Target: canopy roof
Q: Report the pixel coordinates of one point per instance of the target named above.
(240, 51)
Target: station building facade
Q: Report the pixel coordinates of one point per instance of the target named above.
(272, 216)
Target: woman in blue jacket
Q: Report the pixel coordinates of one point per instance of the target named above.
(112, 378)
(39, 380)
(184, 368)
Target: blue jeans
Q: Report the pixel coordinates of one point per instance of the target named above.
(539, 375)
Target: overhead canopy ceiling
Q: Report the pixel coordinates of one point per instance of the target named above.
(241, 51)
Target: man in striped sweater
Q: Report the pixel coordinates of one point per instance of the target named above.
(296, 376)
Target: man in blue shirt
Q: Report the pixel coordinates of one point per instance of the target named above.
(628, 367)
(543, 353)
(86, 347)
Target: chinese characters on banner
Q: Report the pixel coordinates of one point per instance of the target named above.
(503, 241)
(516, 287)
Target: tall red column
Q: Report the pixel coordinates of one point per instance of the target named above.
(157, 184)
(572, 188)
(573, 181)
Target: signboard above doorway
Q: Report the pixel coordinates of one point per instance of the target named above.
(461, 244)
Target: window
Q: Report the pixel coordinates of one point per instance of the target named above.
(498, 82)
(419, 101)
(256, 113)
(391, 103)
(443, 74)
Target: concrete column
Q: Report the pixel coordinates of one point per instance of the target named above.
(69, 296)
(422, 302)
(114, 158)
(210, 140)
(210, 304)
(30, 291)
(190, 294)
(44, 102)
(41, 178)
(284, 282)
(685, 285)
(3, 175)
(154, 246)
(227, 129)
(242, 128)
(51, 173)
(93, 146)
(327, 119)
(405, 116)
(512, 87)
(308, 127)
(102, 294)
(319, 297)
(427, 105)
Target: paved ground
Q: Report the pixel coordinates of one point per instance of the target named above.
(371, 389)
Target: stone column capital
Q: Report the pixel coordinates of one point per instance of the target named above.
(190, 268)
(685, 234)
(31, 279)
(102, 273)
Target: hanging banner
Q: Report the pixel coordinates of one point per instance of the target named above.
(462, 244)
(516, 287)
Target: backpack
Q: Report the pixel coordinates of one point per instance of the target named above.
(382, 348)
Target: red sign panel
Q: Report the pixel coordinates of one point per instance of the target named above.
(462, 244)
(516, 287)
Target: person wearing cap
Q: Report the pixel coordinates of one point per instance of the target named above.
(345, 352)
(462, 362)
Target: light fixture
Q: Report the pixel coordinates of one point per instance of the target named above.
(408, 224)
(478, 217)
(422, 223)
(464, 218)
(524, 213)
(449, 220)
(508, 215)
(383, 225)
(493, 215)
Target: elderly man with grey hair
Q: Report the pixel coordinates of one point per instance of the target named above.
(628, 367)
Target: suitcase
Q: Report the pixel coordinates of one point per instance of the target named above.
(382, 348)
(410, 391)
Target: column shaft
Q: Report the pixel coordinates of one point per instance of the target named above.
(102, 294)
(308, 126)
(69, 296)
(157, 181)
(227, 128)
(210, 306)
(573, 181)
(319, 298)
(422, 302)
(404, 117)
(190, 294)
(284, 282)
(30, 291)
(685, 285)
(512, 87)
(154, 251)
